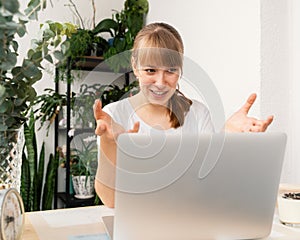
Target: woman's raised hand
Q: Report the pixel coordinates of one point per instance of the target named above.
(241, 122)
(106, 126)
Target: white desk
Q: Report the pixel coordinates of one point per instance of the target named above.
(62, 224)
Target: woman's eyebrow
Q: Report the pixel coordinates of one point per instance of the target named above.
(149, 66)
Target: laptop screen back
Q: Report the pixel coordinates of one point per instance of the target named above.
(191, 187)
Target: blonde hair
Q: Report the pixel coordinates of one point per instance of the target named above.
(161, 43)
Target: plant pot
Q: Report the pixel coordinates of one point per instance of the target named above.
(11, 145)
(83, 186)
(289, 209)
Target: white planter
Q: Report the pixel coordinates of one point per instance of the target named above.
(289, 210)
(84, 188)
(11, 146)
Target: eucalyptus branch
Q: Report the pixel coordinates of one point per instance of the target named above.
(35, 9)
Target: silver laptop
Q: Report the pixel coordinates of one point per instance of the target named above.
(220, 186)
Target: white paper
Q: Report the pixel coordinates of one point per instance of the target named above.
(76, 216)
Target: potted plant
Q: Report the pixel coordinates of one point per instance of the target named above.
(16, 87)
(83, 166)
(123, 28)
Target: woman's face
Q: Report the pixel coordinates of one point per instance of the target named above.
(157, 83)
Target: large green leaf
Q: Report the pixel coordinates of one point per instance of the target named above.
(11, 5)
(59, 55)
(39, 178)
(21, 30)
(30, 70)
(50, 182)
(33, 7)
(25, 182)
(3, 107)
(31, 148)
(10, 61)
(48, 34)
(106, 25)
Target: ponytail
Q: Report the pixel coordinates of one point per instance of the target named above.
(178, 107)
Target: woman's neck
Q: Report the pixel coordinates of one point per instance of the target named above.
(153, 114)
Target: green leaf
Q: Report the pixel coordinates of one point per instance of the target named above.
(17, 74)
(58, 55)
(21, 30)
(37, 56)
(30, 53)
(11, 5)
(30, 71)
(50, 181)
(4, 107)
(25, 182)
(15, 45)
(40, 176)
(12, 25)
(10, 61)
(3, 127)
(19, 101)
(106, 25)
(48, 34)
(31, 147)
(34, 43)
(49, 58)
(33, 7)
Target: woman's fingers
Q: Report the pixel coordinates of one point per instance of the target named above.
(101, 127)
(97, 109)
(135, 128)
(248, 104)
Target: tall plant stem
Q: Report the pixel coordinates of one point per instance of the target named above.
(77, 13)
(94, 13)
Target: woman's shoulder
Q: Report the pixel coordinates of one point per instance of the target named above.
(122, 104)
(198, 106)
(120, 110)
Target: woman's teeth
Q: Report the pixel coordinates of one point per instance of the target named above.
(158, 92)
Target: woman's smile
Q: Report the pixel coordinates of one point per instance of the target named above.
(158, 93)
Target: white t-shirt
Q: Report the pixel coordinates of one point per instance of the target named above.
(197, 120)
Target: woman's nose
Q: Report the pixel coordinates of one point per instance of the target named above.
(160, 78)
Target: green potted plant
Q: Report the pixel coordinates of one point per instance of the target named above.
(84, 99)
(16, 87)
(83, 167)
(123, 28)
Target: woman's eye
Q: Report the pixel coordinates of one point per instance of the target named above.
(149, 70)
(173, 70)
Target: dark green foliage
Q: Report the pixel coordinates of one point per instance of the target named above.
(84, 100)
(33, 170)
(49, 184)
(16, 90)
(49, 104)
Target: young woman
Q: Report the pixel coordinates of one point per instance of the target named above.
(157, 61)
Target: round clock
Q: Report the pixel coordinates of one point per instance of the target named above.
(11, 214)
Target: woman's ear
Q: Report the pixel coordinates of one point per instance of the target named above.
(134, 67)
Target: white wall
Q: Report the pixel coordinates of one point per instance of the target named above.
(294, 89)
(246, 46)
(223, 37)
(276, 17)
